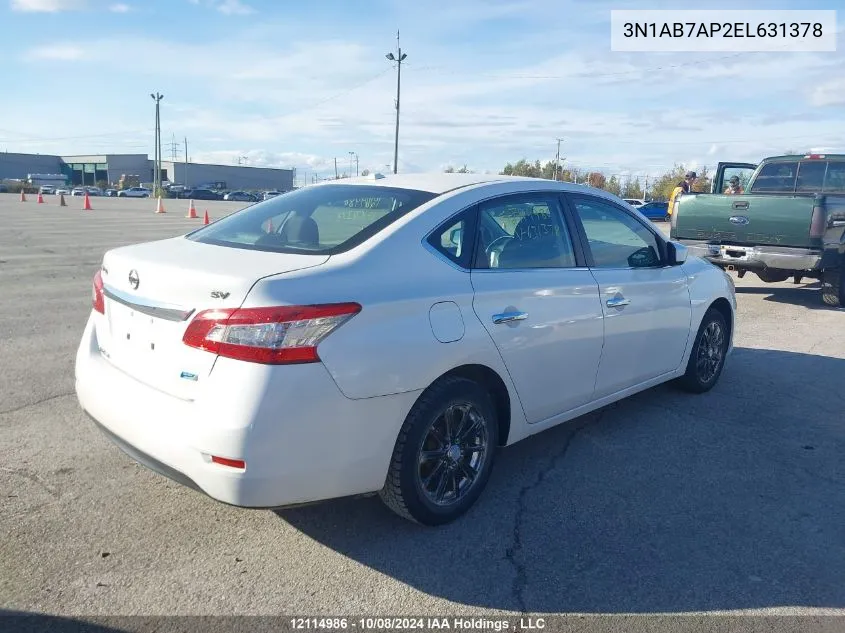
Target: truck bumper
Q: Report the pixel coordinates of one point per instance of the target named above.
(756, 257)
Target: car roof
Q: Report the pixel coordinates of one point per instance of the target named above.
(437, 183)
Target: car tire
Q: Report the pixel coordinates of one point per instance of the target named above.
(707, 358)
(833, 286)
(442, 485)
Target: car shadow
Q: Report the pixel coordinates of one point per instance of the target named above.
(806, 295)
(662, 503)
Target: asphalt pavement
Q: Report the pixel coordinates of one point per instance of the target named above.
(665, 503)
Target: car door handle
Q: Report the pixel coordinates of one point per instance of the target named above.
(740, 205)
(617, 302)
(507, 317)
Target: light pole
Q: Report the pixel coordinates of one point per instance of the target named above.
(398, 58)
(157, 169)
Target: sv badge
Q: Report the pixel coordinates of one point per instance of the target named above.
(216, 294)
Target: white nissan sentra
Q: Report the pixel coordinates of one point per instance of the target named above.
(388, 334)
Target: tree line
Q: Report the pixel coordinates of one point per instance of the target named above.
(659, 188)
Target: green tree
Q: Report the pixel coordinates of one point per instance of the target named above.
(613, 186)
(632, 189)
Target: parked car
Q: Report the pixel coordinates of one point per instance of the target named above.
(239, 196)
(77, 191)
(389, 336)
(111, 193)
(200, 194)
(635, 202)
(46, 190)
(134, 192)
(94, 191)
(4, 188)
(62, 191)
(270, 194)
(788, 222)
(655, 210)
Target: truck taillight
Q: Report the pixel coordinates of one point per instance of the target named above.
(97, 299)
(275, 335)
(818, 221)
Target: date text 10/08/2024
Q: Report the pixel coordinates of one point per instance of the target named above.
(722, 29)
(417, 624)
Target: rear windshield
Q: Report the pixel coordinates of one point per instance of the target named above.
(805, 176)
(324, 220)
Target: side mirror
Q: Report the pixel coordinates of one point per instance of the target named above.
(455, 236)
(677, 253)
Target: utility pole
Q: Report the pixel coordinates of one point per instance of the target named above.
(351, 154)
(645, 190)
(557, 158)
(335, 169)
(157, 169)
(356, 164)
(186, 162)
(398, 58)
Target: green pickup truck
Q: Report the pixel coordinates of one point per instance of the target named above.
(785, 219)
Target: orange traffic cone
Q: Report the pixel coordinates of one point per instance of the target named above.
(62, 202)
(205, 219)
(40, 198)
(23, 196)
(86, 206)
(160, 207)
(192, 212)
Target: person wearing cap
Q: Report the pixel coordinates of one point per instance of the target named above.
(733, 187)
(685, 186)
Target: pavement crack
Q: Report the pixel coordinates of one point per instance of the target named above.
(37, 402)
(26, 474)
(512, 552)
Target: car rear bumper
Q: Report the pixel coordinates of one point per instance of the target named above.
(756, 257)
(301, 438)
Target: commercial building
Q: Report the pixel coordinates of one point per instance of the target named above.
(89, 169)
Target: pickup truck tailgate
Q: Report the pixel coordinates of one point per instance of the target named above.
(751, 219)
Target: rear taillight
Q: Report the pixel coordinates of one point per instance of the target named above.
(97, 299)
(277, 336)
(818, 221)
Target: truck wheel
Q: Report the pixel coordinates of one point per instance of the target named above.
(833, 287)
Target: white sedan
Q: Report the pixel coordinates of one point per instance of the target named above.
(389, 335)
(134, 192)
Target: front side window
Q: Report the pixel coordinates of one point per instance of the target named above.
(616, 239)
(523, 231)
(322, 220)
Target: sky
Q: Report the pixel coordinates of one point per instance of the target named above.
(486, 82)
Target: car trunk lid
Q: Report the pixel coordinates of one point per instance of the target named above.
(153, 290)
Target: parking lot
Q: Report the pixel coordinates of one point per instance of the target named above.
(663, 503)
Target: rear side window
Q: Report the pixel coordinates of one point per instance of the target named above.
(454, 238)
(776, 178)
(323, 220)
(835, 181)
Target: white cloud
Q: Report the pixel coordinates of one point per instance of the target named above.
(120, 8)
(46, 6)
(830, 93)
(58, 52)
(234, 7)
